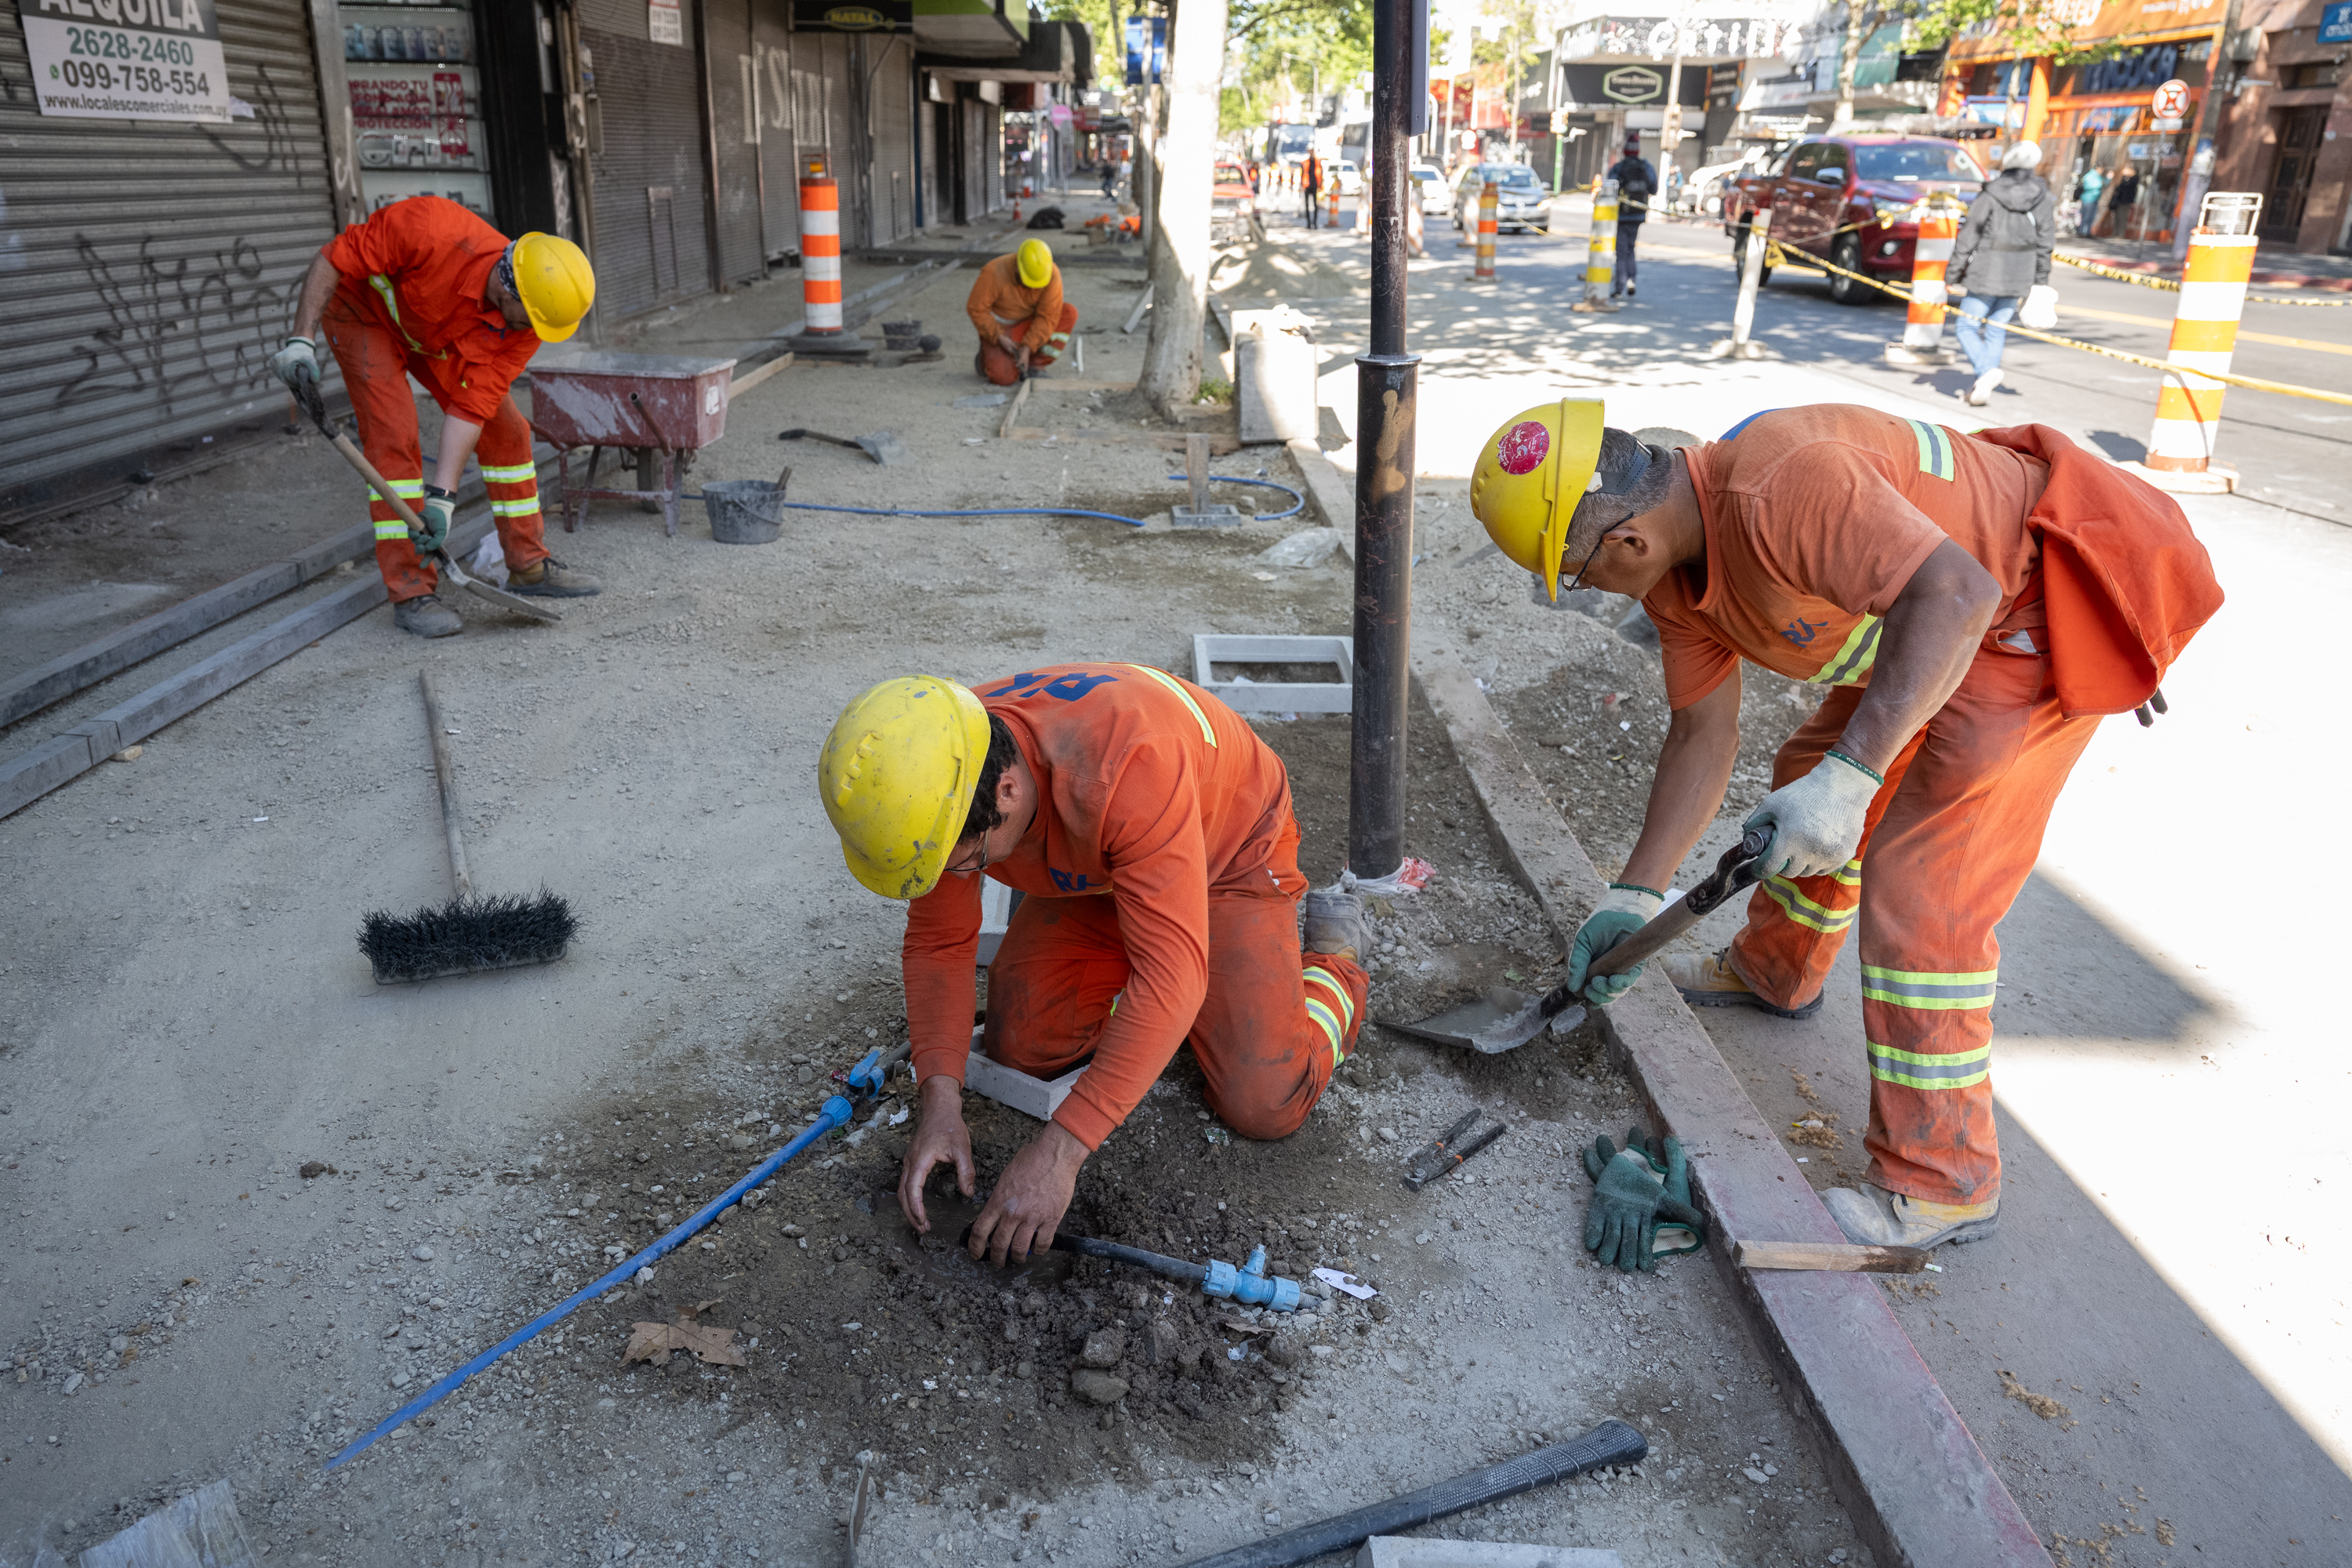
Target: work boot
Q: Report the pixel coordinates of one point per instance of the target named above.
(427, 617)
(1334, 922)
(1711, 982)
(1876, 1218)
(552, 579)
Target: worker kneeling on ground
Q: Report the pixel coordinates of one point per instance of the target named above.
(425, 289)
(1973, 604)
(1152, 834)
(1016, 305)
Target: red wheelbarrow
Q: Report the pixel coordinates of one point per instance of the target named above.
(661, 408)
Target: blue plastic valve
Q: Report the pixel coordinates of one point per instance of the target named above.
(1250, 1285)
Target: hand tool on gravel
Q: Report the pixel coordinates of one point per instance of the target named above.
(468, 932)
(316, 407)
(882, 446)
(1504, 1019)
(1444, 1152)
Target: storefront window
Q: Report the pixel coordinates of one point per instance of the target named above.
(416, 94)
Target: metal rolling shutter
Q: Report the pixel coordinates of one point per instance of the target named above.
(992, 152)
(771, 56)
(927, 148)
(149, 268)
(735, 133)
(893, 116)
(975, 158)
(824, 87)
(651, 246)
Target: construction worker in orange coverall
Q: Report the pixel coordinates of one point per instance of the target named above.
(1152, 834)
(424, 287)
(1972, 606)
(1016, 307)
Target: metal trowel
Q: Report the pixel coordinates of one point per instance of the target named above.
(1503, 1019)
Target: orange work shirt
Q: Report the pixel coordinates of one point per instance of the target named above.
(1000, 303)
(1150, 793)
(1816, 517)
(422, 266)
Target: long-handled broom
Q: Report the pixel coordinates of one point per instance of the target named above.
(497, 931)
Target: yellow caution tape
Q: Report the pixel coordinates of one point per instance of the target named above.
(1772, 258)
(2172, 284)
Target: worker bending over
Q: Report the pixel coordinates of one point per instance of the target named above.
(424, 287)
(1017, 307)
(1151, 833)
(1973, 603)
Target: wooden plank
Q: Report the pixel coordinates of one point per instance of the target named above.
(1013, 409)
(737, 385)
(1196, 470)
(1834, 1257)
(1171, 443)
(1912, 1478)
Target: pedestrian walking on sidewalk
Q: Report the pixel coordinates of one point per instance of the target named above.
(2002, 251)
(1310, 182)
(1149, 834)
(424, 288)
(1636, 183)
(1971, 605)
(1017, 307)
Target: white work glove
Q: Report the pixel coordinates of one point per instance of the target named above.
(1816, 822)
(296, 362)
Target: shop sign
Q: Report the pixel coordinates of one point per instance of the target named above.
(2335, 23)
(126, 59)
(1605, 84)
(866, 16)
(665, 22)
(1146, 35)
(2169, 106)
(2129, 72)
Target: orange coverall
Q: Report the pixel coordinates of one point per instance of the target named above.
(1815, 520)
(1035, 317)
(410, 303)
(1162, 883)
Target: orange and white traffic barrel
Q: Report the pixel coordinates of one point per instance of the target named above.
(1931, 254)
(2204, 333)
(820, 251)
(1489, 202)
(1600, 249)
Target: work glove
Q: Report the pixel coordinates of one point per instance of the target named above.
(296, 364)
(435, 511)
(1816, 822)
(1624, 911)
(1629, 1195)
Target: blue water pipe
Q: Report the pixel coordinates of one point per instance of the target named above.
(836, 1113)
(1298, 503)
(1250, 1286)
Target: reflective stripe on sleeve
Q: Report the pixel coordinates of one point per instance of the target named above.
(1916, 1069)
(1208, 731)
(1929, 990)
(1853, 658)
(1935, 448)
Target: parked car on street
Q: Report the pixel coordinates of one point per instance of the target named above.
(1350, 178)
(1851, 200)
(1428, 184)
(1233, 214)
(1522, 201)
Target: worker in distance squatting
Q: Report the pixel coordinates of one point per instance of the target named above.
(1152, 834)
(424, 287)
(1974, 603)
(1017, 307)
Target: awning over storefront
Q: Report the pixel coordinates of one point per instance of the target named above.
(984, 29)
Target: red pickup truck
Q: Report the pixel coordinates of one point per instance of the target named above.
(1850, 199)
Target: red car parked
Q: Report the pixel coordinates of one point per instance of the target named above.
(1849, 199)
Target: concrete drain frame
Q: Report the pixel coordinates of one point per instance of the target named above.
(1210, 649)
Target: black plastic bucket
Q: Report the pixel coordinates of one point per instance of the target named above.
(744, 511)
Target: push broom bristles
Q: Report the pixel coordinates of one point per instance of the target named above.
(468, 934)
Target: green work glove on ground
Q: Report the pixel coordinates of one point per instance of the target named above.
(1629, 1195)
(1624, 911)
(438, 509)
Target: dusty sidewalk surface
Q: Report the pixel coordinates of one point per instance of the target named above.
(258, 1202)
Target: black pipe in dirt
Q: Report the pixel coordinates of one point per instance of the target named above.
(1386, 391)
(1611, 1443)
(1176, 1268)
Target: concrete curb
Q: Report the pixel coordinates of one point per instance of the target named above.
(1918, 1487)
(1328, 487)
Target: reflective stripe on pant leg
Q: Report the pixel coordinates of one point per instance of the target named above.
(512, 480)
(1326, 989)
(1276, 1022)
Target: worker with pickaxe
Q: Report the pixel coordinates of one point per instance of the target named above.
(1016, 307)
(1971, 605)
(1152, 834)
(424, 288)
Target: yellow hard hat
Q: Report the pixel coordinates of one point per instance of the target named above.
(896, 773)
(1533, 471)
(554, 282)
(1035, 261)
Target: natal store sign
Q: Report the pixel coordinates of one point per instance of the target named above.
(126, 59)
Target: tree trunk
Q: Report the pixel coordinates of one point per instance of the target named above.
(1196, 58)
(1860, 23)
(1144, 188)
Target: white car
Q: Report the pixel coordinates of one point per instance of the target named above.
(1522, 201)
(1350, 178)
(1429, 183)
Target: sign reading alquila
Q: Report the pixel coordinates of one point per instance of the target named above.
(126, 59)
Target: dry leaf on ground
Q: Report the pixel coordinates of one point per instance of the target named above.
(655, 1342)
